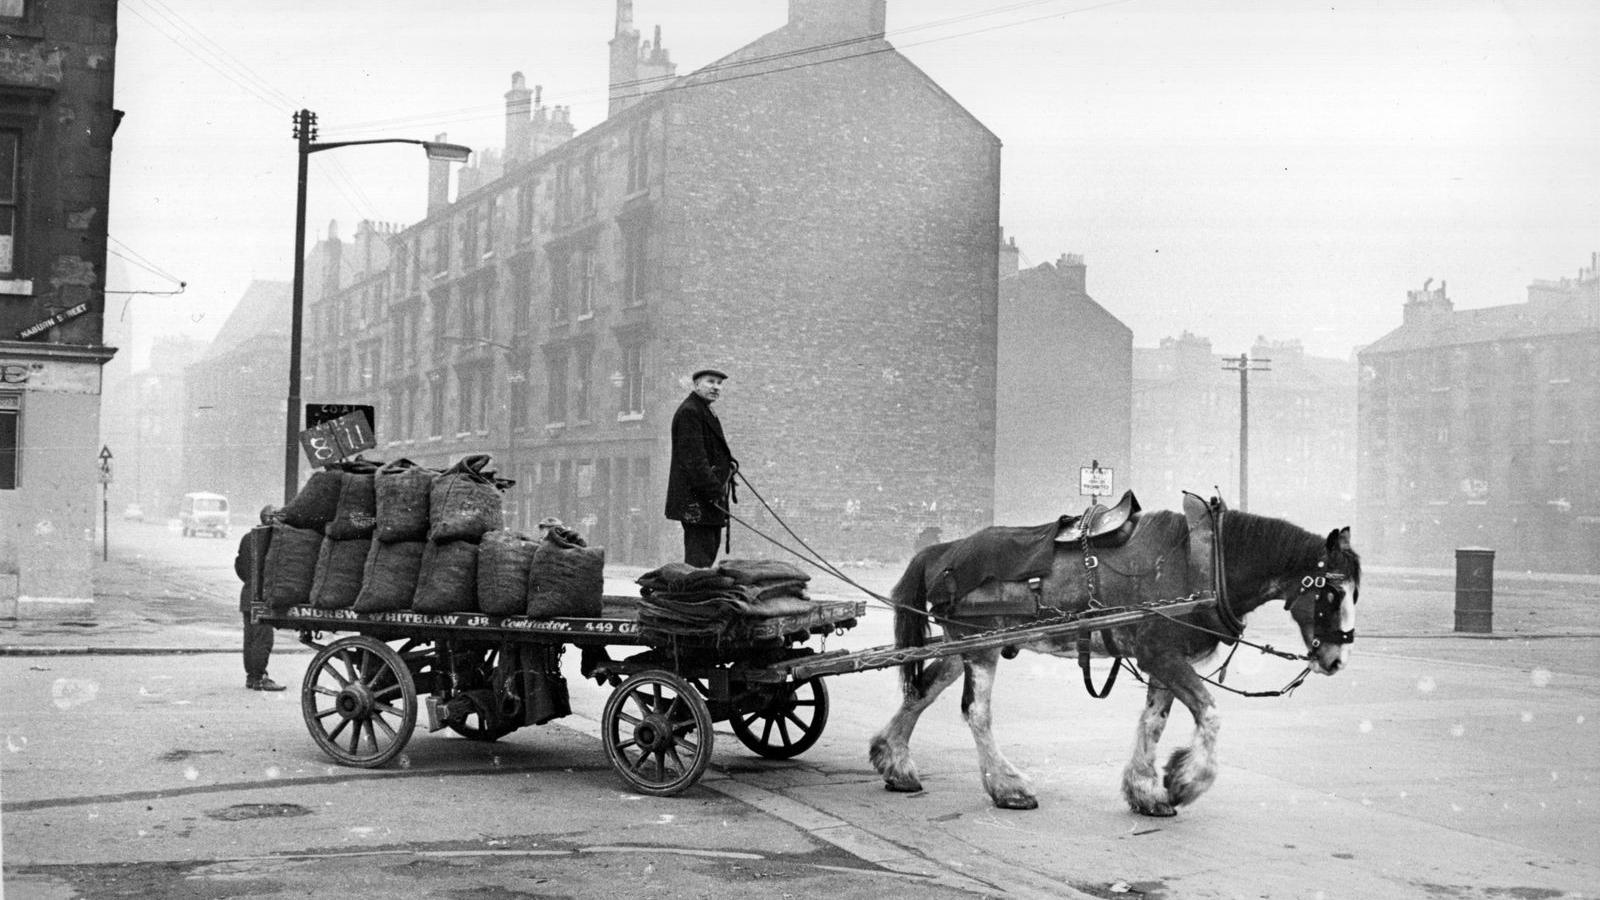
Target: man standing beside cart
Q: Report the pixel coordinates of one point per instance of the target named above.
(257, 637)
(700, 478)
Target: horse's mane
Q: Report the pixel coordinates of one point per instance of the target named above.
(1260, 544)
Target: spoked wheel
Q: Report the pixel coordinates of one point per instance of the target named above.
(359, 701)
(788, 720)
(480, 724)
(657, 732)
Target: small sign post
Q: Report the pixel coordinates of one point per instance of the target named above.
(1094, 482)
(105, 503)
(329, 441)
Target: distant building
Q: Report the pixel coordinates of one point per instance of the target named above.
(56, 123)
(811, 213)
(142, 421)
(1481, 427)
(1302, 464)
(1064, 391)
(233, 427)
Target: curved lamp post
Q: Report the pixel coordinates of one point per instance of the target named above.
(305, 133)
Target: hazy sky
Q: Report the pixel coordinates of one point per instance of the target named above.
(1233, 168)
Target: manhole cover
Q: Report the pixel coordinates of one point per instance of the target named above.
(241, 811)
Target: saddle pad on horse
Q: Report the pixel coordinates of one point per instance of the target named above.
(1019, 552)
(1152, 564)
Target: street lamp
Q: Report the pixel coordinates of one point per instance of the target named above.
(305, 133)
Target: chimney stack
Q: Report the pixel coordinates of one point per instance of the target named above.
(1072, 270)
(839, 19)
(519, 110)
(438, 180)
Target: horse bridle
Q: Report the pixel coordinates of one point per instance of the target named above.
(1327, 589)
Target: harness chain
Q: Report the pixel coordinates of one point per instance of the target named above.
(1230, 620)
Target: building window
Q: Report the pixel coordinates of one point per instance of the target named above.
(10, 192)
(441, 249)
(490, 227)
(581, 385)
(472, 407)
(13, 9)
(555, 412)
(436, 405)
(521, 299)
(521, 396)
(10, 440)
(564, 211)
(633, 264)
(639, 157)
(468, 230)
(525, 209)
(591, 183)
(441, 320)
(632, 404)
(586, 278)
(560, 286)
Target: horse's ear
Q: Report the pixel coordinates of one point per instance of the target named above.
(1339, 540)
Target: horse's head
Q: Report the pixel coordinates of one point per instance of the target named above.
(1325, 604)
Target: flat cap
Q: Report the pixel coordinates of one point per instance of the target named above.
(717, 372)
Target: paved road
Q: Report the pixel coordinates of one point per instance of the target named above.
(1439, 766)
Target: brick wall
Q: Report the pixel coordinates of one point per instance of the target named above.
(830, 235)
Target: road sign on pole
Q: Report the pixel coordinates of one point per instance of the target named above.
(1094, 481)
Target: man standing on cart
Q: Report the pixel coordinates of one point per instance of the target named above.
(700, 478)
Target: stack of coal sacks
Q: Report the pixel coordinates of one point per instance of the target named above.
(463, 506)
(341, 564)
(401, 492)
(678, 598)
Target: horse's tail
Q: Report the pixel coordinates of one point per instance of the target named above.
(910, 598)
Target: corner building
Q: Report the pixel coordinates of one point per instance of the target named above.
(811, 213)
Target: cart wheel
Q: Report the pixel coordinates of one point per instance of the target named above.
(657, 732)
(359, 701)
(787, 721)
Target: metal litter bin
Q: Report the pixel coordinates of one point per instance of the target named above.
(1474, 590)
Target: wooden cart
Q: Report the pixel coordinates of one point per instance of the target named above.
(484, 677)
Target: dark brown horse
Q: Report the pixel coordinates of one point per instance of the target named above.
(1262, 560)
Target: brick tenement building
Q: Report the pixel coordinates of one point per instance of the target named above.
(1065, 395)
(821, 223)
(1302, 444)
(1481, 428)
(56, 123)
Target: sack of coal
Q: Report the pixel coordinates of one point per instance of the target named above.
(317, 502)
(448, 582)
(503, 561)
(566, 578)
(291, 566)
(400, 498)
(390, 577)
(356, 514)
(464, 504)
(340, 567)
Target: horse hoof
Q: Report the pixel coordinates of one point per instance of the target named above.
(902, 785)
(1023, 802)
(1157, 811)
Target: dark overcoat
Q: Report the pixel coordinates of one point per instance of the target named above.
(701, 474)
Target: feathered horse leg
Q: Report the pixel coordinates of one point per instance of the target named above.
(1009, 788)
(1191, 770)
(1140, 785)
(890, 749)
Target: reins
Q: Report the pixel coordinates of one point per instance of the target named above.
(1230, 619)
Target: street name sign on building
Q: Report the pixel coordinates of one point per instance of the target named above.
(53, 321)
(331, 440)
(1094, 481)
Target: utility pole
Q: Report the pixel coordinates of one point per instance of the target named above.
(1244, 365)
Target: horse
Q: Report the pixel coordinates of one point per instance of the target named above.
(1261, 559)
